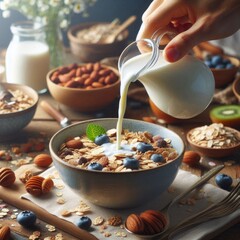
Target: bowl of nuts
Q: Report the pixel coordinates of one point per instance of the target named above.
(90, 163)
(86, 88)
(17, 108)
(215, 140)
(87, 41)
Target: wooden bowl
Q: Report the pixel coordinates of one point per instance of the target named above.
(236, 88)
(82, 99)
(92, 52)
(214, 152)
(162, 115)
(225, 76)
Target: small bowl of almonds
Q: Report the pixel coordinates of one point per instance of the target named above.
(215, 140)
(87, 88)
(16, 114)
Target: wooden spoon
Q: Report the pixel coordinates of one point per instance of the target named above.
(112, 37)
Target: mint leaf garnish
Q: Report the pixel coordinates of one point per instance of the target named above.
(94, 130)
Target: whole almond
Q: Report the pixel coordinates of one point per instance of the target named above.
(191, 158)
(5, 233)
(43, 160)
(74, 143)
(97, 85)
(7, 177)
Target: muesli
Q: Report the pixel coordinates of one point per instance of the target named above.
(22, 102)
(139, 151)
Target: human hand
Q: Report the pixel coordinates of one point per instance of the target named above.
(195, 21)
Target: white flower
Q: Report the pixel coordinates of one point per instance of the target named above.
(46, 10)
(6, 14)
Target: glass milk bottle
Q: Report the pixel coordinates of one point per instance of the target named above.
(27, 56)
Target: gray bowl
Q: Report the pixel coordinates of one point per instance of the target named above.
(117, 189)
(12, 123)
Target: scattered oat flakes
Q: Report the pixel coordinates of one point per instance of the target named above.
(66, 213)
(50, 228)
(61, 200)
(98, 221)
(35, 235)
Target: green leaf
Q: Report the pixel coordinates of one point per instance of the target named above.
(94, 130)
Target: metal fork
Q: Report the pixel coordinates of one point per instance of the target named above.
(225, 207)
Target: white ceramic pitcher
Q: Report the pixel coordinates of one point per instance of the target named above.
(182, 89)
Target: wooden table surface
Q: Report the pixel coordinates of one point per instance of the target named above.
(43, 126)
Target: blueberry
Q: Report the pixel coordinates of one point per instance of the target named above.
(144, 147)
(217, 59)
(101, 139)
(157, 158)
(220, 66)
(95, 166)
(223, 181)
(226, 61)
(132, 163)
(84, 222)
(229, 66)
(27, 218)
(209, 63)
(161, 143)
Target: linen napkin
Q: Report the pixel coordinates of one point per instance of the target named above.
(62, 199)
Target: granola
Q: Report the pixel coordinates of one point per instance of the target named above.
(22, 102)
(89, 152)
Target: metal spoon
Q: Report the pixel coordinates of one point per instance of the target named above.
(6, 95)
(199, 183)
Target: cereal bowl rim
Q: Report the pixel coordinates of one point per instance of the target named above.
(213, 149)
(22, 86)
(57, 158)
(73, 38)
(82, 89)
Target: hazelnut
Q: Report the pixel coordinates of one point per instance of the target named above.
(5, 233)
(7, 177)
(191, 158)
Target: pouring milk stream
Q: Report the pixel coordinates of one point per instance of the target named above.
(182, 89)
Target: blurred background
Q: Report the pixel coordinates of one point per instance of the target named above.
(102, 10)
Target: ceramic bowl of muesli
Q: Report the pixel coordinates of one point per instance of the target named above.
(88, 160)
(215, 140)
(17, 114)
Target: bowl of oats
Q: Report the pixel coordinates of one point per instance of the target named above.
(19, 111)
(93, 164)
(215, 140)
(87, 41)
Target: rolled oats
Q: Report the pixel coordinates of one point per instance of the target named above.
(90, 152)
(215, 135)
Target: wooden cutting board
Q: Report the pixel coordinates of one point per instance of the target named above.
(12, 196)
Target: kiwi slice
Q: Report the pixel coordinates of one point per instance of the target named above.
(229, 115)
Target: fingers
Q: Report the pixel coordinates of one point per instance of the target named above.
(158, 17)
(183, 43)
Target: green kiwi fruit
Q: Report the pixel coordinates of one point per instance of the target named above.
(229, 115)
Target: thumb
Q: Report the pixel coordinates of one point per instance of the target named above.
(181, 44)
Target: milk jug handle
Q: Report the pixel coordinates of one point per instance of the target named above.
(161, 32)
(156, 38)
